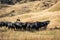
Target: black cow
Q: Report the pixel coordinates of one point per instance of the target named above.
(38, 25)
(24, 25)
(42, 24)
(33, 26)
(18, 25)
(12, 2)
(10, 25)
(28, 26)
(2, 24)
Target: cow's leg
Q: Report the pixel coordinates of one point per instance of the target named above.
(37, 28)
(14, 29)
(28, 27)
(45, 27)
(9, 28)
(24, 28)
(20, 29)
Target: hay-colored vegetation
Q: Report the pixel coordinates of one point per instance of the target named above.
(52, 14)
(25, 8)
(56, 7)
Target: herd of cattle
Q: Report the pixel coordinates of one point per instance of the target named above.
(25, 26)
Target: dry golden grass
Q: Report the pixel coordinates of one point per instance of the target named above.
(54, 17)
(39, 16)
(37, 35)
(24, 8)
(55, 7)
(25, 35)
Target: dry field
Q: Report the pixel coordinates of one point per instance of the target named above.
(52, 14)
(26, 35)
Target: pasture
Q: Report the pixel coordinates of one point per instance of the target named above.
(52, 14)
(6, 34)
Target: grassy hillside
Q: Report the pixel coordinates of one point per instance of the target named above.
(34, 14)
(56, 7)
(39, 16)
(23, 8)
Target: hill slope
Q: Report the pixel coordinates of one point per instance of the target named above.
(39, 16)
(56, 7)
(25, 8)
(52, 14)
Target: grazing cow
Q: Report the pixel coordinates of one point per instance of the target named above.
(18, 25)
(42, 24)
(38, 25)
(28, 26)
(24, 25)
(5, 23)
(33, 26)
(2, 24)
(10, 25)
(12, 2)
